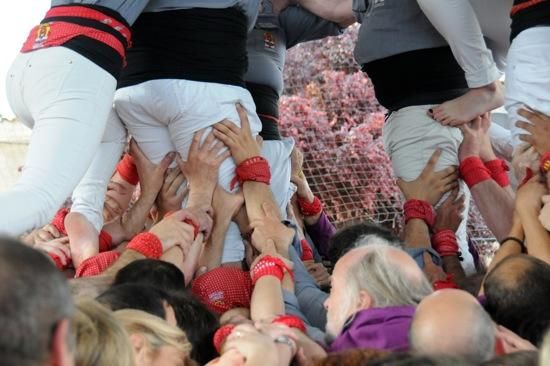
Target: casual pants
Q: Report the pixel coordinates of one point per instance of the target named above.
(478, 33)
(528, 76)
(89, 195)
(410, 138)
(163, 115)
(66, 99)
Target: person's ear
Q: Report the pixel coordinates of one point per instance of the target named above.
(364, 301)
(139, 346)
(62, 352)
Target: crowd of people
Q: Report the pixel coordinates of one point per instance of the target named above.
(162, 219)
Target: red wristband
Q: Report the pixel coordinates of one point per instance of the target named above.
(255, 169)
(147, 244)
(545, 162)
(269, 266)
(57, 261)
(105, 241)
(307, 252)
(473, 171)
(528, 175)
(445, 244)
(499, 171)
(127, 170)
(418, 209)
(310, 208)
(59, 220)
(221, 335)
(290, 321)
(97, 264)
(188, 221)
(445, 284)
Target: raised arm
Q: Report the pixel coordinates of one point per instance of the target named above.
(487, 177)
(337, 11)
(247, 155)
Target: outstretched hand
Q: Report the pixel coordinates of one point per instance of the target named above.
(449, 214)
(203, 163)
(430, 186)
(270, 227)
(239, 140)
(151, 176)
(538, 128)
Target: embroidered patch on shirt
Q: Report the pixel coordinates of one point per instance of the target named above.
(269, 40)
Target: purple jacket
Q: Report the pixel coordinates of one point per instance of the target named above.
(378, 328)
(320, 233)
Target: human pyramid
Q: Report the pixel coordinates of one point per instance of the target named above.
(192, 236)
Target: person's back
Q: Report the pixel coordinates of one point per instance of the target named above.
(412, 69)
(35, 308)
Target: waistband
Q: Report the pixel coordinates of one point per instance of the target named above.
(522, 6)
(64, 23)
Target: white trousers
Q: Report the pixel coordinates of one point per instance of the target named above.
(528, 76)
(410, 138)
(89, 195)
(478, 33)
(163, 115)
(66, 99)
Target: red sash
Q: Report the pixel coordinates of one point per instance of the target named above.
(58, 32)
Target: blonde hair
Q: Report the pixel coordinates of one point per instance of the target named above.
(100, 338)
(156, 331)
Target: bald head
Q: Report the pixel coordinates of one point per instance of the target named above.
(452, 322)
(517, 296)
(388, 274)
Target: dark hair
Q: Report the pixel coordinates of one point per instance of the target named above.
(517, 296)
(523, 358)
(198, 323)
(34, 298)
(344, 239)
(152, 272)
(135, 296)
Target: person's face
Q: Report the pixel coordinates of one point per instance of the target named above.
(339, 303)
(168, 356)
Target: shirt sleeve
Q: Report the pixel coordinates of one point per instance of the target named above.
(299, 25)
(320, 233)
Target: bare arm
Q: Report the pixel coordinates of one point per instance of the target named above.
(337, 11)
(243, 146)
(267, 298)
(152, 179)
(495, 203)
(429, 187)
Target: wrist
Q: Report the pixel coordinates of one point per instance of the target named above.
(254, 169)
(148, 244)
(473, 171)
(419, 209)
(200, 198)
(468, 154)
(305, 193)
(310, 206)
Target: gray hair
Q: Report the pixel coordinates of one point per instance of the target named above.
(373, 239)
(386, 283)
(34, 298)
